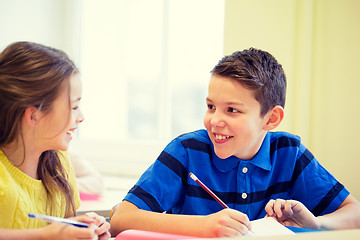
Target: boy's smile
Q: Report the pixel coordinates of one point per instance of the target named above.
(219, 138)
(233, 119)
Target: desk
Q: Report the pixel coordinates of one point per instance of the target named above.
(352, 234)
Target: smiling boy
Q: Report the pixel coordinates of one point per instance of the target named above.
(241, 161)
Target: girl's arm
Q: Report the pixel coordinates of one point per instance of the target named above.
(58, 231)
(53, 231)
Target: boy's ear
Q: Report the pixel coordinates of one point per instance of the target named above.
(276, 115)
(31, 115)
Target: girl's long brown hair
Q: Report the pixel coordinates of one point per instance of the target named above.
(32, 74)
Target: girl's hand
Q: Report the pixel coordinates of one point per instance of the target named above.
(291, 213)
(227, 223)
(103, 231)
(61, 231)
(69, 232)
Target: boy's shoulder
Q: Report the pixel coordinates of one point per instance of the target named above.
(281, 137)
(200, 135)
(196, 140)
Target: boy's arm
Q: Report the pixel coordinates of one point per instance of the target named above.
(346, 216)
(294, 213)
(227, 222)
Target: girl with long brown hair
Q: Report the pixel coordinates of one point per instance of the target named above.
(40, 91)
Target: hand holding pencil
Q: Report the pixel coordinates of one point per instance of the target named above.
(88, 226)
(228, 222)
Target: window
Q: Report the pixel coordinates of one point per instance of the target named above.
(145, 67)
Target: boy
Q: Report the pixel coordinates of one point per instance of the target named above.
(241, 161)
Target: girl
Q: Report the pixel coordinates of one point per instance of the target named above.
(40, 91)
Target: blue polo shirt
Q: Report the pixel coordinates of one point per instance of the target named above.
(283, 168)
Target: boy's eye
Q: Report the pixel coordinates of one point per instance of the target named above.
(75, 108)
(210, 107)
(233, 110)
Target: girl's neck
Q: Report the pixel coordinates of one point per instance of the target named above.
(23, 157)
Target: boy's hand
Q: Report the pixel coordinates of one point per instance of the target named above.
(227, 223)
(291, 213)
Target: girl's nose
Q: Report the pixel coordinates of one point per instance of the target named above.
(80, 118)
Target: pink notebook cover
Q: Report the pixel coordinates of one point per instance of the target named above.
(89, 197)
(145, 235)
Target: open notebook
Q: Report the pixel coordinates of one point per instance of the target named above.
(261, 227)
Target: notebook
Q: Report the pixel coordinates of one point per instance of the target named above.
(146, 235)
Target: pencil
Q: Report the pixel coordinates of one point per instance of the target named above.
(59, 220)
(208, 190)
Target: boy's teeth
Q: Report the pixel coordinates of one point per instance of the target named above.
(220, 137)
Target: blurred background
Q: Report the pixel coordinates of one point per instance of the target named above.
(145, 67)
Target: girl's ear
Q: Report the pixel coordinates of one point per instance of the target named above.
(31, 115)
(276, 115)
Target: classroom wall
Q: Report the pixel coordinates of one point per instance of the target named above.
(51, 23)
(317, 42)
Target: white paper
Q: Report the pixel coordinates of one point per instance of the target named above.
(268, 227)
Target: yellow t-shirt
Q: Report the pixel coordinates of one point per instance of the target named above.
(21, 195)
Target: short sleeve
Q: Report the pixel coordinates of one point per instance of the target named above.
(161, 187)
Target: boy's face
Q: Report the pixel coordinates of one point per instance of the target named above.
(233, 119)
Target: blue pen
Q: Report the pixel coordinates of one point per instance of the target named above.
(59, 220)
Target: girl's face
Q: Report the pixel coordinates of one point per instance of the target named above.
(55, 129)
(233, 119)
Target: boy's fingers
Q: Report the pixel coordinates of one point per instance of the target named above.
(288, 207)
(269, 208)
(240, 222)
(278, 207)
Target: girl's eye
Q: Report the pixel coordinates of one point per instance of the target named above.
(75, 108)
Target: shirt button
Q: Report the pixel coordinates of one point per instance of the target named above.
(244, 170)
(244, 195)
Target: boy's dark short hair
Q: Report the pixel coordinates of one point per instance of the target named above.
(259, 71)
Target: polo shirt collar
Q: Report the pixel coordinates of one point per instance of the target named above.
(261, 159)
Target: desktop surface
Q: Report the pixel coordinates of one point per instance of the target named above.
(351, 234)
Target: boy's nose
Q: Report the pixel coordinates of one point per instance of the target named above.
(217, 120)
